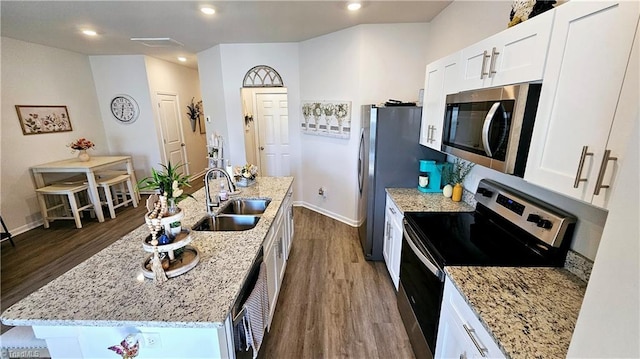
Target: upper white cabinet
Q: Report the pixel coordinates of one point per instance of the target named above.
(442, 78)
(512, 56)
(587, 104)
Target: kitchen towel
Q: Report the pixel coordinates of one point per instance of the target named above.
(257, 312)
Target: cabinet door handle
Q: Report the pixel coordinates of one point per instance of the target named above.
(485, 55)
(470, 333)
(392, 210)
(583, 156)
(492, 64)
(603, 168)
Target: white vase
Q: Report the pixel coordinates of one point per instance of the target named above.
(83, 156)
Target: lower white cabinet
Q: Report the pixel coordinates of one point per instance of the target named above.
(276, 251)
(460, 333)
(392, 240)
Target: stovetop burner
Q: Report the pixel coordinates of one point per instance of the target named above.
(508, 228)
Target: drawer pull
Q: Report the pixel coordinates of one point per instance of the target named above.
(392, 210)
(470, 333)
(603, 168)
(485, 56)
(583, 156)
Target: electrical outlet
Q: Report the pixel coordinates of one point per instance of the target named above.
(322, 192)
(151, 340)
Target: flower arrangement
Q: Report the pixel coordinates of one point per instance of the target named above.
(168, 182)
(247, 171)
(195, 109)
(81, 144)
(457, 171)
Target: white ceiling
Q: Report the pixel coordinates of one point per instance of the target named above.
(59, 23)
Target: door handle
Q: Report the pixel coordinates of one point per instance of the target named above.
(492, 64)
(470, 333)
(487, 126)
(182, 144)
(583, 156)
(603, 168)
(485, 55)
(261, 148)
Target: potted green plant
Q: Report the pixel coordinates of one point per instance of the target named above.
(453, 175)
(168, 182)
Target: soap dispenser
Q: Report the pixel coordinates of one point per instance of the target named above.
(223, 192)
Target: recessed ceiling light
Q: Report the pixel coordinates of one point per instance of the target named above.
(89, 32)
(354, 6)
(182, 59)
(208, 10)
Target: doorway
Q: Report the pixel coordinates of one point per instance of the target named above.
(172, 135)
(267, 140)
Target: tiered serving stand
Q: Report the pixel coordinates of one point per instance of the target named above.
(182, 257)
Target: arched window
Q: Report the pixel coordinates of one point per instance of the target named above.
(262, 76)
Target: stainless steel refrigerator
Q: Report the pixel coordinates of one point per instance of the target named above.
(388, 157)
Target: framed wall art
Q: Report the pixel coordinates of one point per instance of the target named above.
(326, 118)
(36, 119)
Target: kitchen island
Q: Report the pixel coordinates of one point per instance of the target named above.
(99, 302)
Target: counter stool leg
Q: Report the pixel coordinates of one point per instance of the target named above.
(74, 209)
(109, 198)
(132, 193)
(43, 209)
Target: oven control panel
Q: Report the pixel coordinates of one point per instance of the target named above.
(511, 204)
(544, 221)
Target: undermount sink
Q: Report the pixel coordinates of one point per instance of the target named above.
(226, 223)
(245, 206)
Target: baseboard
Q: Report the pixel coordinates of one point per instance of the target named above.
(26, 227)
(329, 214)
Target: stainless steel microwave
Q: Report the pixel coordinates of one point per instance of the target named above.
(492, 127)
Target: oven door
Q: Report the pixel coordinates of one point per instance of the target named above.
(420, 293)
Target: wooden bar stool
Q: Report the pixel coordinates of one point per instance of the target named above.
(68, 190)
(109, 184)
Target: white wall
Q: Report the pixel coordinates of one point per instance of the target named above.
(127, 75)
(40, 75)
(362, 64)
(463, 23)
(167, 77)
(222, 70)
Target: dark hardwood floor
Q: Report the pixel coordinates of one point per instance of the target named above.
(333, 303)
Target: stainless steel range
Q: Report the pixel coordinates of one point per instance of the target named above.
(508, 228)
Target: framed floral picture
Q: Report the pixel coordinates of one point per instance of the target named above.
(43, 119)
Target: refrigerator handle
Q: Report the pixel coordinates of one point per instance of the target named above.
(361, 162)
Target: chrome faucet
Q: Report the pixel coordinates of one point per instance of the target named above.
(211, 202)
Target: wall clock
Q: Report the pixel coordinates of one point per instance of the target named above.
(125, 109)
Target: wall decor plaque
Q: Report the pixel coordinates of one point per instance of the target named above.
(36, 119)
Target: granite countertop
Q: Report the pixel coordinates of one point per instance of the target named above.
(108, 289)
(412, 200)
(530, 312)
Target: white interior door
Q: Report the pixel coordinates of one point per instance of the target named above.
(172, 136)
(273, 134)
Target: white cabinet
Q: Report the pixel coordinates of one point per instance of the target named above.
(288, 222)
(460, 333)
(442, 78)
(512, 56)
(274, 261)
(392, 240)
(587, 104)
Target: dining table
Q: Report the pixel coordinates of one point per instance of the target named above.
(89, 169)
